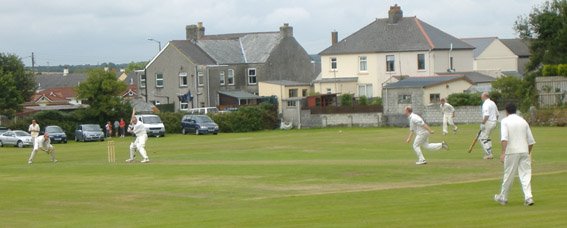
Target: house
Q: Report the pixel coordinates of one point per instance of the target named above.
(387, 48)
(481, 82)
(59, 80)
(284, 90)
(521, 49)
(204, 70)
(492, 56)
(420, 92)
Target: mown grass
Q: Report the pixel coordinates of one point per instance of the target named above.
(342, 177)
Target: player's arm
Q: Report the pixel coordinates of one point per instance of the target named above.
(409, 136)
(426, 126)
(504, 146)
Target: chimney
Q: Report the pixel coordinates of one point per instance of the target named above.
(395, 14)
(200, 30)
(65, 71)
(191, 32)
(286, 30)
(334, 37)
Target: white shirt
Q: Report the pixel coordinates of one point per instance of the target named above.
(447, 109)
(41, 142)
(416, 124)
(516, 131)
(139, 129)
(34, 130)
(489, 109)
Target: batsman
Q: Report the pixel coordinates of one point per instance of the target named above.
(489, 121)
(137, 128)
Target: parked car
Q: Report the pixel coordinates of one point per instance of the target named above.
(200, 124)
(89, 132)
(16, 138)
(56, 134)
(153, 124)
(203, 111)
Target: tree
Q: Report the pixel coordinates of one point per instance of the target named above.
(103, 93)
(132, 66)
(17, 85)
(513, 89)
(545, 29)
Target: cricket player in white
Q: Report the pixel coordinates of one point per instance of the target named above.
(422, 132)
(140, 143)
(34, 130)
(43, 143)
(448, 115)
(517, 143)
(489, 121)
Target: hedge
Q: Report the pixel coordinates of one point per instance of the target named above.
(248, 118)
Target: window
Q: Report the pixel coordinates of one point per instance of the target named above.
(304, 92)
(221, 78)
(404, 99)
(183, 106)
(200, 78)
(292, 93)
(365, 90)
(159, 80)
(143, 81)
(329, 91)
(183, 79)
(334, 63)
(451, 69)
(420, 61)
(290, 103)
(231, 77)
(251, 76)
(434, 98)
(362, 64)
(157, 103)
(390, 63)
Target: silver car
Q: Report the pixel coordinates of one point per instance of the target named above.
(16, 138)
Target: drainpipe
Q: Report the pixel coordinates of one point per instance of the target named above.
(196, 87)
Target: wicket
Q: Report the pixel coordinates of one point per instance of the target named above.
(110, 151)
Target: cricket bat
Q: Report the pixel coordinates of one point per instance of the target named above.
(474, 141)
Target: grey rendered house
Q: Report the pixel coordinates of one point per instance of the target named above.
(223, 70)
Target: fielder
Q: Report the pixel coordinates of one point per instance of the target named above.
(448, 115)
(422, 132)
(517, 143)
(489, 120)
(138, 129)
(34, 130)
(42, 143)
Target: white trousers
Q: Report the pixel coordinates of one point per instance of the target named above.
(422, 140)
(484, 137)
(522, 164)
(49, 150)
(448, 119)
(140, 145)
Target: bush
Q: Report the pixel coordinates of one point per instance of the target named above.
(65, 120)
(549, 70)
(171, 121)
(248, 118)
(562, 70)
(464, 99)
(346, 99)
(551, 117)
(376, 101)
(363, 100)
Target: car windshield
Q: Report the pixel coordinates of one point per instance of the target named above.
(21, 133)
(54, 129)
(151, 119)
(91, 128)
(203, 119)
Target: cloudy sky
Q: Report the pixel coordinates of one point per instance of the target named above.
(73, 32)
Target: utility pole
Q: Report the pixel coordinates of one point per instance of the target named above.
(33, 63)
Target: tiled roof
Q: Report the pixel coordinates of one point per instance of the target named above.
(48, 81)
(518, 46)
(480, 44)
(474, 77)
(240, 94)
(408, 34)
(423, 82)
(193, 52)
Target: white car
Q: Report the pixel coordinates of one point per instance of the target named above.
(16, 138)
(153, 124)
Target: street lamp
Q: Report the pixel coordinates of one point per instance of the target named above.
(157, 41)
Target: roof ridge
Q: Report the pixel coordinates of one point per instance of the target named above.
(425, 35)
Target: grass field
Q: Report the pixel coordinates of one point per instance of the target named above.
(347, 177)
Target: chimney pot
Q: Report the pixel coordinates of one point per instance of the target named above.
(334, 37)
(395, 14)
(286, 30)
(191, 32)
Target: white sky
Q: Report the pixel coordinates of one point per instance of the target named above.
(74, 32)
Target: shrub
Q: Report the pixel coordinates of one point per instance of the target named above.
(464, 99)
(248, 118)
(376, 101)
(549, 70)
(171, 121)
(363, 100)
(551, 117)
(346, 99)
(562, 70)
